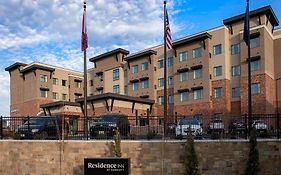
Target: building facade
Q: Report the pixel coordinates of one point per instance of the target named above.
(207, 75)
(32, 85)
(207, 71)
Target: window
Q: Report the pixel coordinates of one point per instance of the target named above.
(217, 49)
(183, 56)
(145, 84)
(236, 70)
(161, 82)
(160, 63)
(198, 94)
(91, 83)
(217, 92)
(55, 96)
(170, 61)
(170, 81)
(255, 42)
(55, 81)
(126, 89)
(161, 100)
(64, 97)
(144, 66)
(217, 71)
(78, 84)
(116, 74)
(77, 96)
(171, 99)
(135, 86)
(183, 96)
(116, 89)
(43, 78)
(135, 69)
(236, 92)
(63, 82)
(255, 65)
(100, 76)
(197, 73)
(183, 76)
(43, 93)
(196, 53)
(235, 49)
(256, 88)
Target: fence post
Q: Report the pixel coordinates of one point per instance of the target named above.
(136, 117)
(176, 117)
(1, 128)
(246, 126)
(147, 119)
(278, 126)
(28, 127)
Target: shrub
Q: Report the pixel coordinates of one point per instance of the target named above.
(117, 144)
(253, 161)
(191, 162)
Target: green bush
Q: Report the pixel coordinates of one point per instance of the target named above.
(253, 161)
(150, 135)
(191, 161)
(117, 144)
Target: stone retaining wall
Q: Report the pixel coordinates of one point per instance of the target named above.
(55, 158)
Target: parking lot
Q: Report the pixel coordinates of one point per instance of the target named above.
(138, 127)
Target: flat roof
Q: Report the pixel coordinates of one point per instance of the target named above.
(59, 103)
(112, 52)
(264, 10)
(140, 54)
(116, 97)
(191, 39)
(14, 66)
(36, 66)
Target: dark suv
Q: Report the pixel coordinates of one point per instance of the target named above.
(106, 125)
(40, 128)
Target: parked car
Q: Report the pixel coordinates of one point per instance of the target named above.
(41, 128)
(184, 124)
(260, 125)
(216, 125)
(107, 124)
(238, 126)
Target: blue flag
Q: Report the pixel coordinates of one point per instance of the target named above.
(246, 34)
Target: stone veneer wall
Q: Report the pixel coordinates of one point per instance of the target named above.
(54, 157)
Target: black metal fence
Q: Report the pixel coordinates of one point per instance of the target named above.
(138, 127)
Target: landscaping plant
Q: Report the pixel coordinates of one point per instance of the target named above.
(191, 162)
(117, 144)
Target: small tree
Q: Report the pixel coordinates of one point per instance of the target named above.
(253, 161)
(117, 144)
(191, 162)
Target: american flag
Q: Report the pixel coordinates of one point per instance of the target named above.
(84, 36)
(168, 33)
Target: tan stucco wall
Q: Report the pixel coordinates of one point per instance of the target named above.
(215, 157)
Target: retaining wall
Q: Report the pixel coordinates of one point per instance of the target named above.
(55, 158)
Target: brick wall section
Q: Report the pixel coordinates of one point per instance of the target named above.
(221, 104)
(262, 103)
(215, 157)
(193, 109)
(236, 108)
(29, 108)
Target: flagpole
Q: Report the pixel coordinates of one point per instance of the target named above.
(249, 72)
(165, 69)
(85, 82)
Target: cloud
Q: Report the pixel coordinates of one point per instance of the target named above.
(49, 31)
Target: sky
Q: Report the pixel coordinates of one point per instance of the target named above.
(49, 31)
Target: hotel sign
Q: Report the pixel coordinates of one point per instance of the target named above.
(106, 166)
